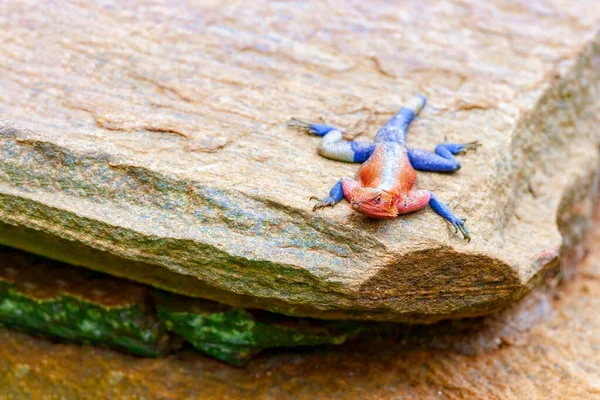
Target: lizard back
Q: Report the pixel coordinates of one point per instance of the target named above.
(388, 168)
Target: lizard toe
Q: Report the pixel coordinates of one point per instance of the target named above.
(465, 232)
(326, 202)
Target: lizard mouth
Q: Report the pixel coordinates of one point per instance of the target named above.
(364, 209)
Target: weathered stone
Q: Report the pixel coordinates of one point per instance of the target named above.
(559, 357)
(157, 134)
(77, 305)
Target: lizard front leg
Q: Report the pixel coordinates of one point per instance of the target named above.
(341, 189)
(417, 199)
(444, 211)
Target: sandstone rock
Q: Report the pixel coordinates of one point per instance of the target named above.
(156, 135)
(558, 358)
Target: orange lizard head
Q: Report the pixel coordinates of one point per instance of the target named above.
(372, 202)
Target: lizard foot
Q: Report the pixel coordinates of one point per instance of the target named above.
(299, 125)
(463, 229)
(312, 129)
(326, 202)
(469, 146)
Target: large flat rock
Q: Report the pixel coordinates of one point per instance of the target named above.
(556, 358)
(150, 141)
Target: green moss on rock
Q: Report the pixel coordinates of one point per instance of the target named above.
(77, 305)
(53, 299)
(234, 335)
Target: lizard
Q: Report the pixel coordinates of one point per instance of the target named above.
(384, 185)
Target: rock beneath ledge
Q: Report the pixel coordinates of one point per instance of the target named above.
(234, 335)
(556, 358)
(76, 305)
(160, 143)
(45, 297)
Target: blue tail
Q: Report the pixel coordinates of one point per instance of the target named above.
(395, 129)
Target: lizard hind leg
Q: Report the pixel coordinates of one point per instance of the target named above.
(313, 129)
(333, 145)
(456, 148)
(442, 160)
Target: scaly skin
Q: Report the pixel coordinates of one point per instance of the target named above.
(384, 184)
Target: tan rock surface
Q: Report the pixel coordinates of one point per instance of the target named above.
(557, 358)
(157, 133)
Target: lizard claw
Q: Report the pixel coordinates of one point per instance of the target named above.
(326, 202)
(310, 128)
(470, 146)
(300, 125)
(463, 229)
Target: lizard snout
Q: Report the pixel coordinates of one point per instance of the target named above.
(355, 206)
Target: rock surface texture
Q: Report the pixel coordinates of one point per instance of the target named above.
(154, 136)
(557, 358)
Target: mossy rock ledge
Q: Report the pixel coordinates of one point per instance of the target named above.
(49, 298)
(156, 148)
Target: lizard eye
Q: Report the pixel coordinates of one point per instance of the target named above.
(378, 199)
